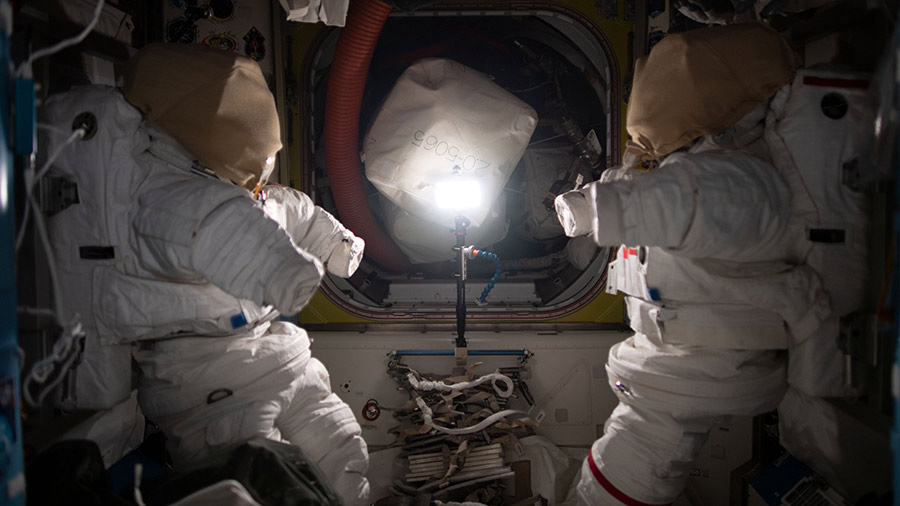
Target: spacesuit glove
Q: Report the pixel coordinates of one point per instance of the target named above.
(315, 230)
(346, 255)
(574, 211)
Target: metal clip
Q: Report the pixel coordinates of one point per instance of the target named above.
(622, 388)
(371, 411)
(462, 356)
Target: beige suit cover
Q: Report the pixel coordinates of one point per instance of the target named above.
(702, 82)
(214, 103)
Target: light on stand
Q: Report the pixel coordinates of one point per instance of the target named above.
(461, 194)
(461, 224)
(457, 193)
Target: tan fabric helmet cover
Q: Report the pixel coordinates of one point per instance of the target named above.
(214, 103)
(702, 82)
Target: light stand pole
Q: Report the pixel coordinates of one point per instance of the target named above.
(461, 353)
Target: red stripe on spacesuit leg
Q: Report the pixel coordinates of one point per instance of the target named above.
(834, 82)
(612, 490)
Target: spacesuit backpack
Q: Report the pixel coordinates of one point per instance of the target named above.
(813, 130)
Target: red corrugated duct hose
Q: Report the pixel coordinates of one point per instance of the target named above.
(346, 83)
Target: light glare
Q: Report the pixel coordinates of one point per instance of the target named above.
(4, 191)
(458, 194)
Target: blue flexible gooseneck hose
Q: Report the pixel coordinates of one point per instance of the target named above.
(497, 272)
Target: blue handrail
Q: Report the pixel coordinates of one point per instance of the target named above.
(442, 353)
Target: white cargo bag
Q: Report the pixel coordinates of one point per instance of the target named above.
(441, 114)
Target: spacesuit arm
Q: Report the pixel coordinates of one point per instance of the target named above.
(193, 229)
(315, 230)
(712, 205)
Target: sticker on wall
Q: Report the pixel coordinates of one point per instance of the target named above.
(222, 10)
(223, 41)
(254, 46)
(181, 29)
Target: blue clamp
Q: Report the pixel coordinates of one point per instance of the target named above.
(238, 320)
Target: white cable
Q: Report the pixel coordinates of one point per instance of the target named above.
(427, 386)
(66, 351)
(76, 134)
(138, 496)
(41, 369)
(63, 371)
(480, 426)
(21, 235)
(24, 68)
(63, 350)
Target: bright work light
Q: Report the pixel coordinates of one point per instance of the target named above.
(457, 193)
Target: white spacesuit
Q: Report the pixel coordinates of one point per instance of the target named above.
(701, 348)
(190, 272)
(722, 267)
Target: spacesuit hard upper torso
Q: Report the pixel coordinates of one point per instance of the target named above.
(160, 257)
(718, 274)
(723, 225)
(173, 251)
(779, 274)
(137, 225)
